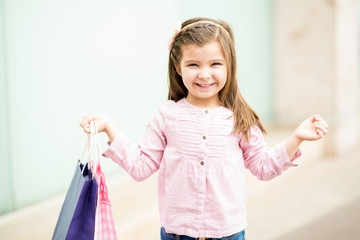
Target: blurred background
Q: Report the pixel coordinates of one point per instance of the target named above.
(61, 60)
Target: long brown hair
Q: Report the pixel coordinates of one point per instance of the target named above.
(200, 31)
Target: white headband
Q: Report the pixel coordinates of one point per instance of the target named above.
(204, 21)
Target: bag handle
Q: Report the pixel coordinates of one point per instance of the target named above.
(85, 155)
(95, 145)
(92, 152)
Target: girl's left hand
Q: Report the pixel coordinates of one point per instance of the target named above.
(312, 129)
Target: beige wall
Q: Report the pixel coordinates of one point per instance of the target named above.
(316, 66)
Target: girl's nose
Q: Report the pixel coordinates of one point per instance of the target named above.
(204, 74)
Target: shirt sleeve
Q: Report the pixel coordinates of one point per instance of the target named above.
(140, 161)
(263, 161)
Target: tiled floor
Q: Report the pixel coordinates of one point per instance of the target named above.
(317, 200)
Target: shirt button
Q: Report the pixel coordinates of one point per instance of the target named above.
(204, 137)
(206, 111)
(202, 163)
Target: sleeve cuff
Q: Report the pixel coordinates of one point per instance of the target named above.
(290, 162)
(114, 146)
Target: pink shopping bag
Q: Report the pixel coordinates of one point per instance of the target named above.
(104, 220)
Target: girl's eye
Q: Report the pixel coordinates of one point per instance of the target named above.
(216, 63)
(192, 65)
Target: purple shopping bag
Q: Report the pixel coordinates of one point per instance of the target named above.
(77, 216)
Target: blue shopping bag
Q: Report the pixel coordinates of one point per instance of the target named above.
(77, 216)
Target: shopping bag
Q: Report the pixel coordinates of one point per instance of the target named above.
(77, 216)
(104, 220)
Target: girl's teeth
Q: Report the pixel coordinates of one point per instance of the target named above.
(205, 85)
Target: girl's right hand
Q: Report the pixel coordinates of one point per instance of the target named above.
(101, 121)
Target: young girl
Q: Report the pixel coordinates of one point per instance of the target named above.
(202, 139)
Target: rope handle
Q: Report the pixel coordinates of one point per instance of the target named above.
(92, 152)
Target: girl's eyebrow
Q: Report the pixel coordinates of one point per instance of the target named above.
(218, 60)
(212, 60)
(191, 60)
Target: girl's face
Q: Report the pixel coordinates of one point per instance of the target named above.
(203, 71)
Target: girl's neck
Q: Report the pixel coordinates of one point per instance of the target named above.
(204, 103)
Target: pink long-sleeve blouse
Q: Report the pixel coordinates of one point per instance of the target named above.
(202, 186)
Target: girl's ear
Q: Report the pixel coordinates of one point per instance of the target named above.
(178, 69)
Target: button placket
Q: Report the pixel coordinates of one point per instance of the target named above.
(205, 136)
(202, 171)
(207, 120)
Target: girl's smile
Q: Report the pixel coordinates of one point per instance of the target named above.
(204, 85)
(204, 73)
